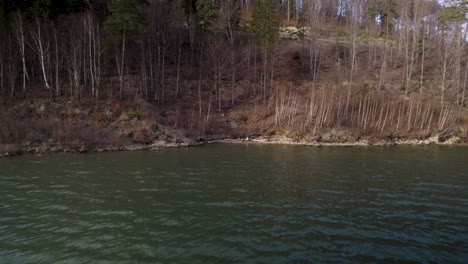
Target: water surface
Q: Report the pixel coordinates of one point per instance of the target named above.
(237, 203)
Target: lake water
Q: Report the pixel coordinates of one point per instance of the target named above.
(237, 203)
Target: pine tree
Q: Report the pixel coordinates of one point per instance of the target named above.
(266, 26)
(123, 24)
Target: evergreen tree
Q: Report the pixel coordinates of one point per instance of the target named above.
(206, 13)
(265, 24)
(124, 23)
(52, 9)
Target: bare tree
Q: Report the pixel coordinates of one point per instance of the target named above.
(313, 13)
(355, 9)
(229, 17)
(41, 47)
(12, 69)
(94, 52)
(20, 38)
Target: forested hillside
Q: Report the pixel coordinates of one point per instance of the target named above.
(89, 73)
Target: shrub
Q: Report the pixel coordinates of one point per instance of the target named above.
(163, 113)
(132, 115)
(296, 56)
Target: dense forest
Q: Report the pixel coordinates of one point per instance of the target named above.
(314, 69)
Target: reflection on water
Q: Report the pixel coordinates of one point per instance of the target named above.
(237, 203)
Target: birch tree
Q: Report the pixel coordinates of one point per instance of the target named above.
(20, 38)
(41, 47)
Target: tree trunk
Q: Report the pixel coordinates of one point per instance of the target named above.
(458, 62)
(264, 77)
(57, 85)
(2, 84)
(43, 54)
(422, 64)
(20, 38)
(445, 63)
(163, 71)
(150, 66)
(11, 67)
(122, 68)
(199, 87)
(143, 83)
(233, 74)
(97, 59)
(465, 83)
(91, 54)
(178, 66)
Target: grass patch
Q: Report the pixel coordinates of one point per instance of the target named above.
(134, 115)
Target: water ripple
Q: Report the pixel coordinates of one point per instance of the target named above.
(231, 204)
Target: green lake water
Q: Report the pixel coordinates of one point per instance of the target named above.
(237, 203)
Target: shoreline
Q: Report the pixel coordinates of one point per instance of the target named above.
(453, 141)
(44, 149)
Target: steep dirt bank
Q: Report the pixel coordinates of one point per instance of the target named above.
(40, 126)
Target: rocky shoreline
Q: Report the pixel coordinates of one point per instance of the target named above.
(365, 142)
(44, 148)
